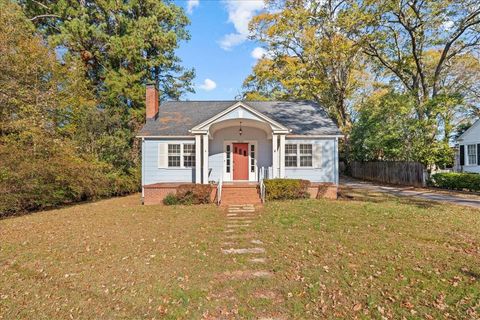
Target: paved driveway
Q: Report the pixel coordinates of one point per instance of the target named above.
(424, 194)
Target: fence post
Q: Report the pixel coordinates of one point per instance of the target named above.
(425, 178)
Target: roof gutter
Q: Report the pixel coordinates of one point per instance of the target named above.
(165, 137)
(316, 136)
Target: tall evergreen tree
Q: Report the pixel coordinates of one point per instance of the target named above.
(122, 45)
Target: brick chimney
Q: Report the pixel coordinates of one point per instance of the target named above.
(151, 100)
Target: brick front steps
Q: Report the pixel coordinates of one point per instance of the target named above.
(240, 193)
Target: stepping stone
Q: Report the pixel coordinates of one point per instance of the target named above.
(239, 236)
(243, 251)
(258, 260)
(238, 225)
(240, 221)
(242, 212)
(244, 275)
(240, 205)
(228, 243)
(256, 242)
(229, 231)
(240, 217)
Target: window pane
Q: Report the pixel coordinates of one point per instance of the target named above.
(174, 161)
(174, 149)
(472, 153)
(228, 155)
(174, 155)
(305, 149)
(290, 149)
(290, 161)
(189, 161)
(189, 149)
(305, 161)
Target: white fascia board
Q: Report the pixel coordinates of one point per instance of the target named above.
(195, 131)
(166, 137)
(316, 136)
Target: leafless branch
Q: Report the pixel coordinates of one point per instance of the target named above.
(45, 16)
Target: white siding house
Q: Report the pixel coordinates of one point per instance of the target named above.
(469, 148)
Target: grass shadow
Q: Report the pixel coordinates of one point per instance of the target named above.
(365, 195)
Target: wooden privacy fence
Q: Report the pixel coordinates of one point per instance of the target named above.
(394, 172)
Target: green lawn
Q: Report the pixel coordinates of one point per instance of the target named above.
(365, 256)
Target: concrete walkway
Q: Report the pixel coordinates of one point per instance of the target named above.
(423, 194)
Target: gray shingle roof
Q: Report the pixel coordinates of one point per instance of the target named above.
(175, 118)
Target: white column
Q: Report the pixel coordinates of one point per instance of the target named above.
(205, 158)
(282, 156)
(198, 158)
(275, 155)
(335, 157)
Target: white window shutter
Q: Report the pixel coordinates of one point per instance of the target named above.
(163, 155)
(317, 155)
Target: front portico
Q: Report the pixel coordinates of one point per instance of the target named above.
(239, 144)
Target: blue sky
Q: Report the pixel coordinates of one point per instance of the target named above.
(218, 49)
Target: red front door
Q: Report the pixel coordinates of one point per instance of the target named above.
(240, 161)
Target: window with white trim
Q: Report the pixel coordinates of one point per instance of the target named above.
(290, 155)
(306, 155)
(189, 155)
(174, 157)
(472, 154)
(298, 155)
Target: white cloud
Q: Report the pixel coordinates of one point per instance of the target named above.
(240, 12)
(191, 4)
(448, 25)
(208, 85)
(259, 53)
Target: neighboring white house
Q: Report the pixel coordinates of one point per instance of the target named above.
(469, 148)
(236, 141)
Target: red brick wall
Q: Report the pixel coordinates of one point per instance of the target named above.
(323, 190)
(154, 194)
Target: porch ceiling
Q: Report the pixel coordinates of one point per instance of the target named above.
(246, 123)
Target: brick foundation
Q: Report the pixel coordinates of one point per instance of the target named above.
(323, 190)
(155, 193)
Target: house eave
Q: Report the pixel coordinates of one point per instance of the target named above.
(164, 137)
(316, 136)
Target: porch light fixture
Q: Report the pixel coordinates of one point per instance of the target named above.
(240, 131)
